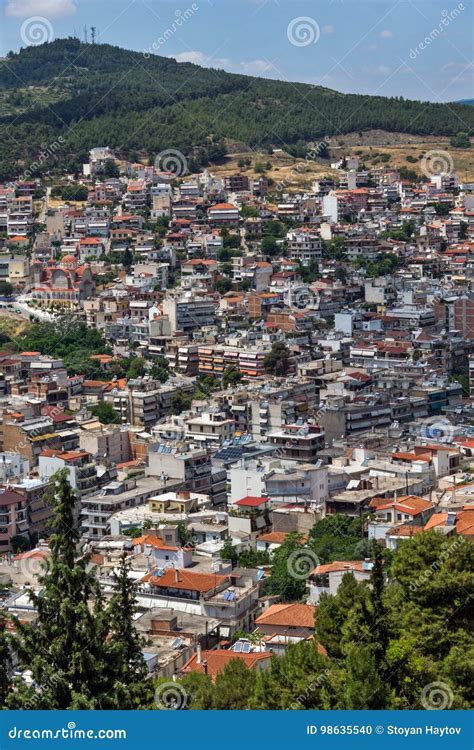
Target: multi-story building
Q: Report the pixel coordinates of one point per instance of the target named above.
(189, 312)
(13, 517)
(304, 246)
(298, 442)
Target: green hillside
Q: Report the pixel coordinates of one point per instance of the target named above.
(100, 94)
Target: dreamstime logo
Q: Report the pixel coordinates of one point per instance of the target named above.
(36, 30)
(172, 160)
(171, 696)
(303, 31)
(48, 151)
(301, 167)
(180, 18)
(437, 696)
(437, 428)
(448, 17)
(32, 566)
(437, 162)
(301, 562)
(302, 298)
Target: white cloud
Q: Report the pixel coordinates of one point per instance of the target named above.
(386, 34)
(383, 70)
(328, 30)
(46, 8)
(255, 67)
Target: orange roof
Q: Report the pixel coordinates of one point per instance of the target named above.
(64, 455)
(411, 504)
(217, 660)
(35, 554)
(412, 456)
(154, 541)
(223, 206)
(464, 523)
(104, 358)
(288, 615)
(340, 565)
(404, 530)
(187, 580)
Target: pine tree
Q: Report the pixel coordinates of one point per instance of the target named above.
(70, 651)
(233, 686)
(364, 687)
(127, 645)
(5, 661)
(378, 613)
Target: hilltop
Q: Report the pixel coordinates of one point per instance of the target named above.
(141, 104)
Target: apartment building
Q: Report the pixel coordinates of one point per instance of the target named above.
(13, 517)
(304, 246)
(298, 442)
(188, 313)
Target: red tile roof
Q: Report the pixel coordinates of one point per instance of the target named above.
(217, 660)
(187, 580)
(251, 502)
(288, 615)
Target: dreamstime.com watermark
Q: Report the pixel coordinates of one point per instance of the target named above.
(313, 152)
(180, 20)
(448, 17)
(67, 733)
(48, 151)
(437, 564)
(36, 30)
(303, 31)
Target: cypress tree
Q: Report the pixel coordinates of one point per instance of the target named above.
(70, 649)
(127, 645)
(5, 661)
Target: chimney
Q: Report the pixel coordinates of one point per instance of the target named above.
(204, 666)
(176, 575)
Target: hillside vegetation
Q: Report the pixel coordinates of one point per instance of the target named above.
(99, 94)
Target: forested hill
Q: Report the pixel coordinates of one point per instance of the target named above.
(100, 94)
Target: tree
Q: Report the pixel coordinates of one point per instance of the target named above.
(229, 552)
(5, 660)
(66, 649)
(160, 370)
(233, 686)
(111, 169)
(231, 376)
(332, 613)
(460, 140)
(136, 368)
(339, 537)
(105, 413)
(277, 361)
(270, 246)
(126, 644)
(199, 691)
(6, 289)
(180, 402)
(20, 543)
(127, 258)
(291, 565)
(364, 686)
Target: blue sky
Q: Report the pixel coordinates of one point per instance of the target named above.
(420, 49)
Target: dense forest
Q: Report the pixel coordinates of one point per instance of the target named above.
(102, 95)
